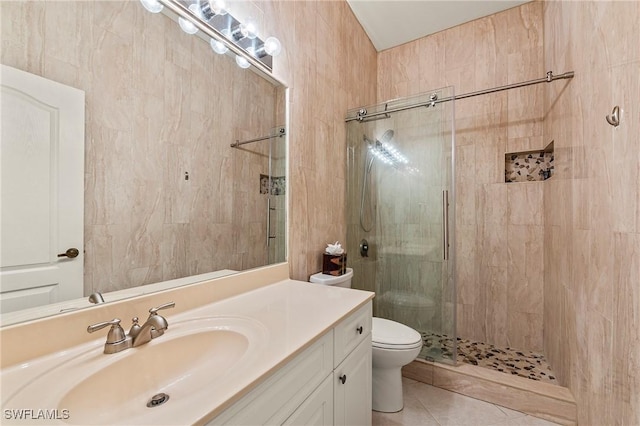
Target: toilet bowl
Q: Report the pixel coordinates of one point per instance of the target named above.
(393, 345)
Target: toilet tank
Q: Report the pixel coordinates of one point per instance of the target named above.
(343, 280)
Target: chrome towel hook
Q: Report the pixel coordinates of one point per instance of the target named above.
(614, 118)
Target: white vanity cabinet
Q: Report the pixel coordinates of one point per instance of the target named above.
(328, 383)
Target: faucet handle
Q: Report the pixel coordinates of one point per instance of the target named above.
(117, 339)
(135, 327)
(154, 311)
(116, 333)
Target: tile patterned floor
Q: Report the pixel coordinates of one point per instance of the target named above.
(426, 405)
(506, 360)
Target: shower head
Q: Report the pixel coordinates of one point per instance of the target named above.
(384, 151)
(387, 136)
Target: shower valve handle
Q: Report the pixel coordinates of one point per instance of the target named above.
(364, 248)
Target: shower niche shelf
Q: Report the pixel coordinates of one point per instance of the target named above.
(529, 166)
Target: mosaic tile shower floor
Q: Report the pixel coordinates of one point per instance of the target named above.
(506, 360)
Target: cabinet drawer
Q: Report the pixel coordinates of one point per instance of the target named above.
(273, 401)
(350, 332)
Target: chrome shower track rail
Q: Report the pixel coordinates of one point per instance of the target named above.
(362, 115)
(281, 132)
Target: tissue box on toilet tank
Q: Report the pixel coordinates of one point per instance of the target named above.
(334, 264)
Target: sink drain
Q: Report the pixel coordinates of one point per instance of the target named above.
(157, 400)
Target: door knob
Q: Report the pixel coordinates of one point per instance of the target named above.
(70, 253)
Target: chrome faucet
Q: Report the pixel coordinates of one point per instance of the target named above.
(96, 298)
(118, 340)
(152, 328)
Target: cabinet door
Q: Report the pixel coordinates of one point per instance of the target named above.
(352, 387)
(278, 397)
(317, 410)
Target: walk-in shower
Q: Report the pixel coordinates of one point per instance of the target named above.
(399, 190)
(402, 209)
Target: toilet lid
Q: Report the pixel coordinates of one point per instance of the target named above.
(393, 335)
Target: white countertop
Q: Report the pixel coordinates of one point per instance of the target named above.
(293, 315)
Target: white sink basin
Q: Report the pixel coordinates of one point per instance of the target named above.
(191, 357)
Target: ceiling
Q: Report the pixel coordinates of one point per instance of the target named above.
(392, 23)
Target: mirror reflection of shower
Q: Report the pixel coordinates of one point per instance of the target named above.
(383, 151)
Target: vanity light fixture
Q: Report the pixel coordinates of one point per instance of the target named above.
(271, 46)
(153, 6)
(244, 30)
(226, 33)
(242, 62)
(211, 8)
(218, 46)
(186, 25)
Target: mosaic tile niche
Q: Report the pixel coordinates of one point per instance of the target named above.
(278, 184)
(529, 166)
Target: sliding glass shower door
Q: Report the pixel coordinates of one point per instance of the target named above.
(276, 230)
(400, 214)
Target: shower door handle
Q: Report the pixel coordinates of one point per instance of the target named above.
(269, 209)
(445, 224)
(268, 219)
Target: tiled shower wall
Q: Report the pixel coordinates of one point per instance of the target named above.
(591, 208)
(153, 112)
(499, 226)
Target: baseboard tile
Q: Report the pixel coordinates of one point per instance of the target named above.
(543, 400)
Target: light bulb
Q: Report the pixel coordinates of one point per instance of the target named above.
(242, 62)
(211, 8)
(218, 46)
(272, 46)
(249, 29)
(218, 6)
(153, 6)
(186, 25)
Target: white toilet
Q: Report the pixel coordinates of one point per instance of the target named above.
(393, 346)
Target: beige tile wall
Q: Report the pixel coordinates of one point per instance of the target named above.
(591, 214)
(499, 226)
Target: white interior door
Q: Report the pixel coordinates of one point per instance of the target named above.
(42, 190)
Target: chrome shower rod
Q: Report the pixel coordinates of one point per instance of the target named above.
(281, 133)
(433, 102)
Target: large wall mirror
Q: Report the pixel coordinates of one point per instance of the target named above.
(166, 199)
